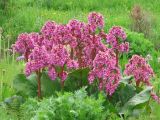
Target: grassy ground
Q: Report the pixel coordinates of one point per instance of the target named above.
(27, 16)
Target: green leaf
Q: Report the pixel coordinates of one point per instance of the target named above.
(24, 86)
(77, 79)
(126, 79)
(126, 93)
(138, 100)
(122, 94)
(48, 86)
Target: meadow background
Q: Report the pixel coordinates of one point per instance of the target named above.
(18, 16)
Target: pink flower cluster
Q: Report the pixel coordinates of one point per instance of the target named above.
(38, 59)
(95, 20)
(142, 72)
(59, 48)
(23, 43)
(105, 70)
(155, 97)
(140, 69)
(74, 45)
(116, 38)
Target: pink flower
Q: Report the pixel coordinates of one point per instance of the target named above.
(105, 70)
(112, 40)
(23, 43)
(38, 59)
(63, 76)
(118, 32)
(58, 56)
(96, 20)
(140, 69)
(91, 77)
(116, 39)
(124, 47)
(155, 97)
(72, 64)
(63, 34)
(72, 46)
(52, 73)
(48, 30)
(76, 28)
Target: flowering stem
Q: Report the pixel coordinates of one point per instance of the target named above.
(100, 82)
(117, 59)
(26, 56)
(117, 54)
(39, 83)
(138, 82)
(80, 64)
(71, 54)
(62, 81)
(93, 54)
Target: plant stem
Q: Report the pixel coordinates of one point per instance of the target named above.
(62, 81)
(26, 56)
(80, 64)
(71, 54)
(39, 83)
(117, 55)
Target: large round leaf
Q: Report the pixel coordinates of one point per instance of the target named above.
(137, 101)
(25, 87)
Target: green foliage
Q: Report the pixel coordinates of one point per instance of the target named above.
(137, 102)
(10, 108)
(67, 106)
(76, 79)
(4, 114)
(6, 91)
(138, 44)
(27, 86)
(130, 100)
(49, 87)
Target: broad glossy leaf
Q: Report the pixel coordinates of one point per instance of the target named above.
(137, 100)
(48, 86)
(77, 79)
(23, 86)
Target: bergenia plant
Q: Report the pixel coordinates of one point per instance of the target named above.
(60, 48)
(117, 40)
(142, 72)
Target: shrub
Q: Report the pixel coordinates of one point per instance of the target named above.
(139, 44)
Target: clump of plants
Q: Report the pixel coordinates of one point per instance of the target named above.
(81, 53)
(66, 106)
(139, 44)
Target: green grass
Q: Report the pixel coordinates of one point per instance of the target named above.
(8, 70)
(27, 16)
